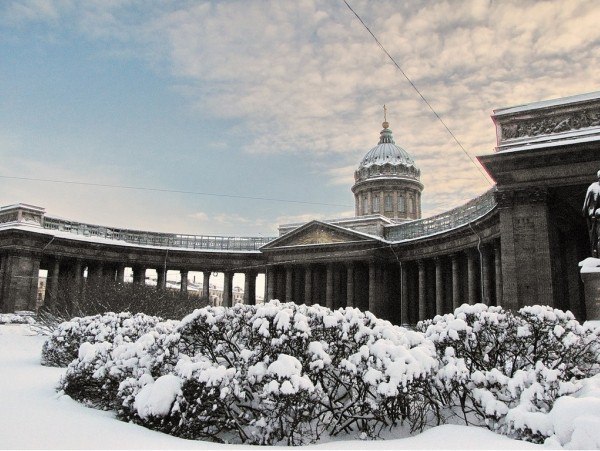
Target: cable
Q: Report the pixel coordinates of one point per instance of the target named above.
(198, 193)
(418, 92)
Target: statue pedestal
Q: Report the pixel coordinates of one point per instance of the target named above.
(590, 274)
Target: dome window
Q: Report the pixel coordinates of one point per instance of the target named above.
(388, 202)
(376, 204)
(401, 204)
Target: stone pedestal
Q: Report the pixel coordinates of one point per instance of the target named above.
(590, 274)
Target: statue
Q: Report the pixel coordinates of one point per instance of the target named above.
(591, 211)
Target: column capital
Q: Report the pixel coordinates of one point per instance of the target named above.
(507, 198)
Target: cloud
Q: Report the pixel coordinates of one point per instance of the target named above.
(306, 77)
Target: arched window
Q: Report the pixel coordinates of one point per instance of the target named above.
(365, 205)
(401, 203)
(388, 202)
(375, 204)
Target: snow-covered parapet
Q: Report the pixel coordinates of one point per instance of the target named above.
(548, 123)
(590, 265)
(590, 274)
(22, 214)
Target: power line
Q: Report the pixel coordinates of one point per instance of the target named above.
(161, 190)
(417, 90)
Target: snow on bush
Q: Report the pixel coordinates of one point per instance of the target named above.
(63, 344)
(288, 374)
(17, 318)
(107, 374)
(266, 374)
(507, 370)
(575, 419)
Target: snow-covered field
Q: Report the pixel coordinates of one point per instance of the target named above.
(34, 416)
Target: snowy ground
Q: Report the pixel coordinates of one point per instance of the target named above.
(34, 416)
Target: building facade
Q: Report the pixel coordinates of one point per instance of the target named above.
(517, 244)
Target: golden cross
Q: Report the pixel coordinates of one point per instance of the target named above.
(384, 113)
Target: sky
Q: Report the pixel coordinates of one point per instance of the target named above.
(260, 99)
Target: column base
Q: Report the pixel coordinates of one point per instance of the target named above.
(590, 275)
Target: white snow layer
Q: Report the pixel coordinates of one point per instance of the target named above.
(36, 417)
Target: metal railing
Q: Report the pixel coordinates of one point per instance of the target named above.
(448, 220)
(200, 242)
(420, 228)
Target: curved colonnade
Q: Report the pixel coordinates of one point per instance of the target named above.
(403, 281)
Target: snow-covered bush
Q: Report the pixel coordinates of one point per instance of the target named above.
(17, 318)
(63, 344)
(283, 373)
(575, 419)
(506, 370)
(106, 374)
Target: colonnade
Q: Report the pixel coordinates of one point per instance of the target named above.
(71, 271)
(403, 291)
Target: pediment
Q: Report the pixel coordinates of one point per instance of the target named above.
(317, 233)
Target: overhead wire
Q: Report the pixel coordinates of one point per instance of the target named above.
(164, 190)
(439, 118)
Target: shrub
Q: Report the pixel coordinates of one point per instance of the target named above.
(506, 370)
(17, 318)
(99, 297)
(96, 377)
(63, 344)
(267, 374)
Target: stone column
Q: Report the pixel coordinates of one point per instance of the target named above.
(280, 287)
(486, 279)
(298, 286)
(350, 285)
(471, 272)
(329, 287)
(76, 286)
(384, 283)
(183, 285)
(270, 282)
(403, 295)
(498, 273)
(108, 273)
(439, 287)
(455, 283)
(161, 278)
(120, 276)
(51, 296)
(308, 285)
(289, 284)
(93, 272)
(337, 301)
(228, 289)
(250, 288)
(525, 248)
(373, 287)
(206, 285)
(139, 275)
(422, 295)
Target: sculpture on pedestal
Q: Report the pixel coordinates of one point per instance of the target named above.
(591, 211)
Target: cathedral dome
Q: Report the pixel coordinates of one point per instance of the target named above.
(387, 181)
(386, 152)
(387, 159)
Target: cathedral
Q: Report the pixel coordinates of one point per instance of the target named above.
(517, 244)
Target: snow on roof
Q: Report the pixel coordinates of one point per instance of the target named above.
(548, 103)
(114, 242)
